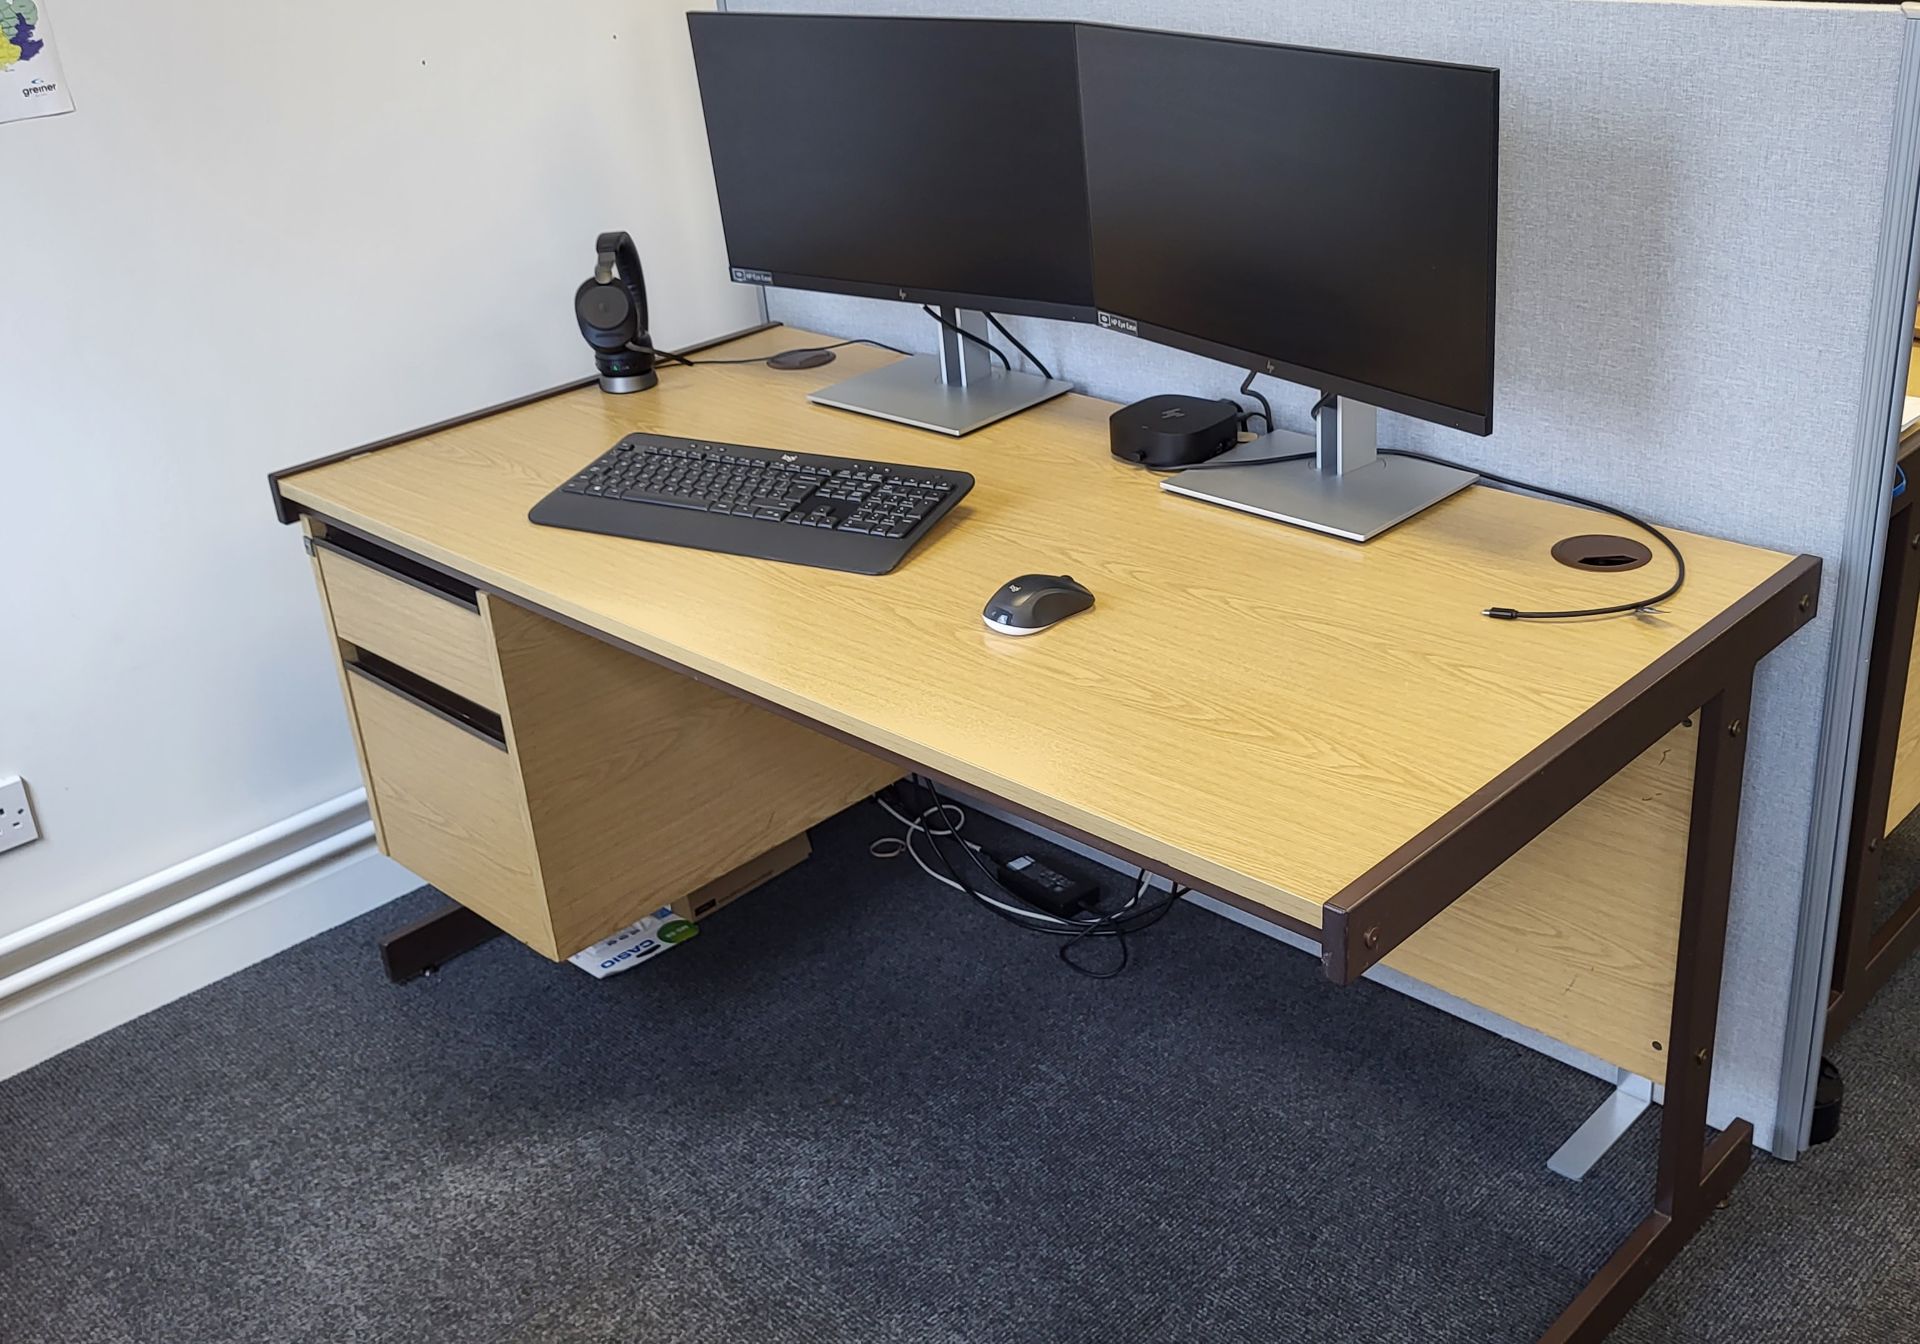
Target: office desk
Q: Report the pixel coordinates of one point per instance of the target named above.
(1868, 950)
(564, 730)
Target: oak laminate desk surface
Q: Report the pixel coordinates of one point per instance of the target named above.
(1266, 710)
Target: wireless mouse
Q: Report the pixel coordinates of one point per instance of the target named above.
(1032, 602)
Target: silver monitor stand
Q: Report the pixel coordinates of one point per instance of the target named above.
(954, 392)
(1341, 484)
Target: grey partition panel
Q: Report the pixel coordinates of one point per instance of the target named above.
(1884, 380)
(1692, 202)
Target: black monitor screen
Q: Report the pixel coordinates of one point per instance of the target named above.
(878, 155)
(1333, 214)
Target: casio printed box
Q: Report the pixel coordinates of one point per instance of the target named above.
(676, 923)
(634, 944)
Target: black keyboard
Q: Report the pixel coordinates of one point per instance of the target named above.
(829, 512)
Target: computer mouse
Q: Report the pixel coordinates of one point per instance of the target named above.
(1032, 602)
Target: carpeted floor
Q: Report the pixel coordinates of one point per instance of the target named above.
(858, 1109)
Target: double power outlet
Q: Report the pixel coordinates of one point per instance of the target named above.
(17, 826)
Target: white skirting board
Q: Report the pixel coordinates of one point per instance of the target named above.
(70, 978)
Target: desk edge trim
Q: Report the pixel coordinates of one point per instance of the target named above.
(289, 512)
(1383, 907)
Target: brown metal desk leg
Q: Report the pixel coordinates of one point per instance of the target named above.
(426, 945)
(1695, 1175)
(1858, 969)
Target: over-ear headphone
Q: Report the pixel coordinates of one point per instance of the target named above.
(612, 308)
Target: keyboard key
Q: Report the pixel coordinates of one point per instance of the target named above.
(669, 500)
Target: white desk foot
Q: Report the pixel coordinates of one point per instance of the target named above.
(1604, 1128)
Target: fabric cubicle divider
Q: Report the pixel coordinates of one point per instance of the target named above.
(1884, 378)
(1693, 201)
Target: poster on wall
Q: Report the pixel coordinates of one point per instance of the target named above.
(31, 84)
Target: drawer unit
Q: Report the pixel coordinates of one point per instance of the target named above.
(555, 785)
(408, 614)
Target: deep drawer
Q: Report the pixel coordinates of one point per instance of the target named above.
(450, 806)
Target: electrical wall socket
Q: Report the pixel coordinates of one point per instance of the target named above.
(17, 826)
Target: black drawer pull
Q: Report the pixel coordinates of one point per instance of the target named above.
(438, 701)
(399, 568)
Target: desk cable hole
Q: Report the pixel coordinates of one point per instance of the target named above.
(1599, 551)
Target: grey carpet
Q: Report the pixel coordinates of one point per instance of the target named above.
(857, 1109)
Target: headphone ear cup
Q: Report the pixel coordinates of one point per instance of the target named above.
(606, 315)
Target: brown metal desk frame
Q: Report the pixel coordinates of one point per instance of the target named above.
(1864, 954)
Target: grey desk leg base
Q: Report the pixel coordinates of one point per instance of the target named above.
(1604, 1128)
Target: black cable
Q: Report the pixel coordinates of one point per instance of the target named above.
(1065, 953)
(1619, 608)
(1247, 389)
(992, 349)
(659, 355)
(1511, 613)
(1032, 358)
(761, 359)
(940, 804)
(1218, 465)
(1508, 613)
(1116, 924)
(1115, 928)
(933, 838)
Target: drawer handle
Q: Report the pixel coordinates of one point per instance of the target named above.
(422, 694)
(400, 569)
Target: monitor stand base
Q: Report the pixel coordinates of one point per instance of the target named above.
(912, 392)
(1358, 505)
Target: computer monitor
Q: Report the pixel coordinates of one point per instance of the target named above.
(1325, 217)
(926, 160)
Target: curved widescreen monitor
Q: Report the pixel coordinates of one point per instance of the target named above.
(930, 160)
(1324, 217)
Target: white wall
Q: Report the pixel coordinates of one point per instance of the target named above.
(268, 234)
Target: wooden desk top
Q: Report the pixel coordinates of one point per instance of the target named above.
(1270, 712)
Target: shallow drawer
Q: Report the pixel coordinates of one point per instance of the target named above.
(425, 624)
(448, 798)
